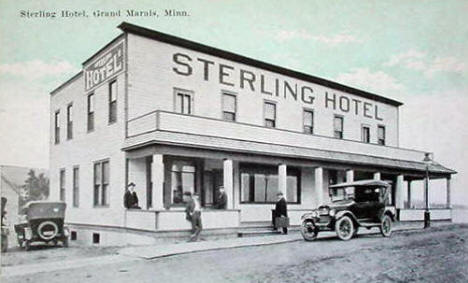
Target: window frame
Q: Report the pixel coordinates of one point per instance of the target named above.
(70, 121)
(76, 186)
(268, 169)
(184, 93)
(62, 184)
(380, 126)
(368, 127)
(57, 127)
(341, 117)
(112, 104)
(99, 202)
(90, 117)
(190, 162)
(311, 132)
(275, 118)
(223, 111)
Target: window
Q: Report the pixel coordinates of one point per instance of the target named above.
(308, 121)
(381, 135)
(259, 184)
(101, 183)
(57, 127)
(229, 107)
(70, 121)
(183, 101)
(62, 184)
(338, 127)
(365, 134)
(90, 112)
(182, 179)
(269, 112)
(112, 102)
(76, 186)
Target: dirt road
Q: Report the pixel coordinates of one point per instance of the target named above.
(435, 255)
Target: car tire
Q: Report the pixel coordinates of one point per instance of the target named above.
(386, 226)
(306, 230)
(41, 233)
(344, 228)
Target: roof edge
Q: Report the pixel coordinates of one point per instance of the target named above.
(153, 34)
(66, 82)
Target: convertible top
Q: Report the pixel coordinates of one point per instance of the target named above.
(362, 183)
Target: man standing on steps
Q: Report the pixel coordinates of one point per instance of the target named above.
(193, 214)
(281, 210)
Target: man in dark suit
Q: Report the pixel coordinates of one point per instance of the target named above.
(193, 214)
(130, 197)
(221, 201)
(281, 209)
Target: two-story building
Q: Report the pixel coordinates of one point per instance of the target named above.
(172, 115)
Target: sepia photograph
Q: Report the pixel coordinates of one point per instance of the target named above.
(233, 141)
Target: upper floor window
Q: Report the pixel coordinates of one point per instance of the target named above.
(90, 111)
(62, 184)
(308, 123)
(365, 134)
(381, 135)
(229, 107)
(57, 127)
(112, 102)
(269, 113)
(338, 127)
(70, 121)
(183, 101)
(101, 183)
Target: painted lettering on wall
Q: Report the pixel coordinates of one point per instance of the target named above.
(104, 67)
(232, 76)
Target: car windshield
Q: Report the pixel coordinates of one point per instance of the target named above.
(366, 194)
(338, 194)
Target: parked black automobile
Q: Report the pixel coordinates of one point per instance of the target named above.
(353, 205)
(44, 222)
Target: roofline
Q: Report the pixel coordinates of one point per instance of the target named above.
(66, 82)
(102, 49)
(149, 33)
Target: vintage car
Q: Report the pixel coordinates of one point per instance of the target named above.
(353, 205)
(43, 222)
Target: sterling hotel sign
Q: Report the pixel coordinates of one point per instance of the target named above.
(104, 67)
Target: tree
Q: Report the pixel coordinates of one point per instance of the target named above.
(37, 187)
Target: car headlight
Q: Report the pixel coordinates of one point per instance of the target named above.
(315, 214)
(332, 212)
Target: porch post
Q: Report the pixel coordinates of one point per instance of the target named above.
(349, 175)
(409, 194)
(449, 204)
(399, 192)
(157, 178)
(319, 185)
(377, 176)
(282, 176)
(228, 182)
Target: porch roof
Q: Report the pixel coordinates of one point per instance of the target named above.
(271, 149)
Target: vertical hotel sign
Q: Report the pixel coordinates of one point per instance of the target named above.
(104, 67)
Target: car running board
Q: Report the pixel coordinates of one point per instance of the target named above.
(369, 224)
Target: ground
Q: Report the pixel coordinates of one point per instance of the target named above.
(436, 255)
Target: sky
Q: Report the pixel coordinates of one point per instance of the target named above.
(411, 51)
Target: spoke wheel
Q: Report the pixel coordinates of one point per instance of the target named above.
(344, 228)
(309, 231)
(386, 226)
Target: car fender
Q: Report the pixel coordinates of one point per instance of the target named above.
(390, 211)
(342, 213)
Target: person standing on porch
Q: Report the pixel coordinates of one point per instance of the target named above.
(130, 197)
(193, 214)
(221, 201)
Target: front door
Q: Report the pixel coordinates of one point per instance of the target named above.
(212, 180)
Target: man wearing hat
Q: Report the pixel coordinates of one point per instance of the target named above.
(130, 197)
(221, 201)
(193, 214)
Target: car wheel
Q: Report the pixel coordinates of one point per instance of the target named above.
(47, 230)
(344, 228)
(386, 226)
(309, 231)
